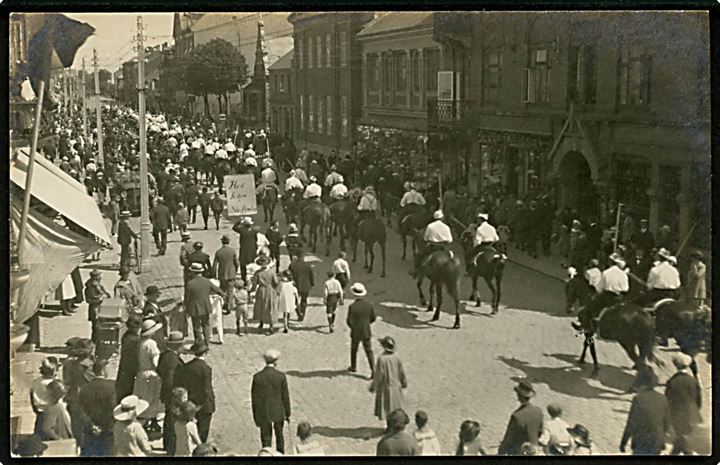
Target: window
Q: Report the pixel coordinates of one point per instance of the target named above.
(329, 113)
(320, 115)
(302, 112)
(318, 52)
(415, 71)
(633, 182)
(634, 80)
(535, 78)
(343, 48)
(328, 50)
(387, 72)
(432, 66)
(491, 78)
(400, 59)
(309, 51)
(344, 115)
(300, 50)
(583, 74)
(311, 114)
(281, 79)
(373, 67)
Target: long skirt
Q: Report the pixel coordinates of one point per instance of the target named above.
(266, 305)
(147, 387)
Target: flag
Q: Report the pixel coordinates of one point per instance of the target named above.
(54, 45)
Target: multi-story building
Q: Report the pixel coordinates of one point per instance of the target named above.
(595, 108)
(282, 102)
(328, 72)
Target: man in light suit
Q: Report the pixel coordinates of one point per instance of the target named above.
(271, 401)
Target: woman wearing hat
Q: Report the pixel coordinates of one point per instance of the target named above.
(695, 289)
(148, 383)
(389, 380)
(265, 284)
(127, 290)
(130, 438)
(582, 444)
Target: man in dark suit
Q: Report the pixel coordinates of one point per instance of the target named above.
(204, 201)
(360, 315)
(684, 399)
(169, 364)
(270, 401)
(192, 193)
(97, 400)
(196, 377)
(125, 236)
(525, 424)
(304, 280)
(248, 244)
(643, 239)
(160, 218)
(225, 268)
(198, 256)
(649, 418)
(128, 365)
(197, 302)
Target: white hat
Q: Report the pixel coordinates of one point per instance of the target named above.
(682, 361)
(247, 220)
(129, 408)
(150, 327)
(438, 215)
(251, 162)
(664, 253)
(197, 267)
(483, 216)
(358, 290)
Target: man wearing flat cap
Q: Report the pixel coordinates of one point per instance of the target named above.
(526, 422)
(271, 401)
(684, 398)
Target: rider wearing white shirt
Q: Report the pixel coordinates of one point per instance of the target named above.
(268, 176)
(313, 191)
(613, 285)
(249, 153)
(412, 197)
(664, 279)
(333, 178)
(368, 203)
(293, 182)
(437, 236)
(339, 191)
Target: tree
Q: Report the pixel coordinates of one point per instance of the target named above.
(107, 88)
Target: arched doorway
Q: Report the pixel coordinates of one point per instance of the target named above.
(576, 189)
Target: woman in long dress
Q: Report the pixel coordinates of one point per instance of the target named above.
(389, 380)
(147, 382)
(265, 284)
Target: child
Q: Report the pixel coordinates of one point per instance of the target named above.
(503, 232)
(425, 437)
(306, 446)
(186, 432)
(216, 303)
(333, 296)
(289, 297)
(182, 217)
(240, 297)
(555, 436)
(56, 420)
(39, 395)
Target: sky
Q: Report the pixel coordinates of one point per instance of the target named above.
(114, 33)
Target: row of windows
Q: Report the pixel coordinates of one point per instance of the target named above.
(318, 51)
(403, 69)
(280, 83)
(319, 112)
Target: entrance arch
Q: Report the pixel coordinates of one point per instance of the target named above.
(576, 187)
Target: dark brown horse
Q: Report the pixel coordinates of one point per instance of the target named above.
(442, 270)
(686, 323)
(291, 205)
(269, 200)
(342, 215)
(490, 270)
(316, 215)
(410, 223)
(370, 231)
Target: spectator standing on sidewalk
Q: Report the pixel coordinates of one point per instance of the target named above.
(397, 442)
(525, 424)
(97, 399)
(56, 420)
(147, 381)
(95, 293)
(39, 395)
(388, 380)
(127, 366)
(695, 285)
(196, 377)
(129, 437)
(649, 418)
(304, 280)
(125, 289)
(114, 214)
(270, 401)
(469, 439)
(185, 429)
(359, 318)
(204, 201)
(168, 364)
(684, 398)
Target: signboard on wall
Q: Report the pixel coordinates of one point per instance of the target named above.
(241, 200)
(445, 85)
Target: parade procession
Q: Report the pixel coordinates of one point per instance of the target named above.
(210, 214)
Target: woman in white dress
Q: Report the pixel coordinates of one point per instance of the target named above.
(147, 382)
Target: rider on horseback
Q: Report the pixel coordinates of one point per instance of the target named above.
(412, 199)
(339, 190)
(368, 204)
(663, 282)
(313, 191)
(485, 237)
(438, 236)
(333, 178)
(293, 183)
(613, 285)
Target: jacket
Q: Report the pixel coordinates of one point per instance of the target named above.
(160, 217)
(270, 396)
(226, 263)
(248, 243)
(128, 365)
(525, 425)
(168, 364)
(196, 377)
(648, 422)
(192, 193)
(125, 235)
(97, 400)
(684, 400)
(302, 275)
(398, 444)
(204, 201)
(197, 296)
(360, 315)
(198, 256)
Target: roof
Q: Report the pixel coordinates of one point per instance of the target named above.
(284, 62)
(213, 20)
(395, 21)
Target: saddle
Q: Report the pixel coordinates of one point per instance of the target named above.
(488, 255)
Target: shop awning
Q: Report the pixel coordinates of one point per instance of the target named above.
(59, 191)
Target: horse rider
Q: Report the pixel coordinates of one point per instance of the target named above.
(613, 285)
(313, 191)
(333, 178)
(664, 279)
(230, 147)
(484, 238)
(437, 236)
(249, 152)
(268, 176)
(339, 191)
(301, 174)
(293, 183)
(368, 205)
(411, 199)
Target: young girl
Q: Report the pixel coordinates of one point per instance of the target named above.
(289, 297)
(470, 439)
(240, 297)
(56, 420)
(186, 432)
(425, 437)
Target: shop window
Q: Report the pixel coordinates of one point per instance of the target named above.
(328, 50)
(582, 84)
(344, 48)
(373, 71)
(387, 72)
(632, 183)
(400, 66)
(535, 78)
(635, 70)
(491, 78)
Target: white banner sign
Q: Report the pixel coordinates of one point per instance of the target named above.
(241, 200)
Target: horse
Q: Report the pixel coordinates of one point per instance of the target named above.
(342, 213)
(411, 222)
(370, 231)
(208, 169)
(491, 271)
(684, 321)
(630, 325)
(269, 199)
(317, 216)
(442, 270)
(578, 291)
(195, 161)
(220, 170)
(291, 205)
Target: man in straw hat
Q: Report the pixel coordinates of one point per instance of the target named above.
(663, 281)
(525, 424)
(684, 398)
(95, 293)
(649, 418)
(388, 380)
(613, 285)
(196, 377)
(359, 318)
(129, 436)
(125, 237)
(270, 401)
(168, 364)
(437, 236)
(197, 301)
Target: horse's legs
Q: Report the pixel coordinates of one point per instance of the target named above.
(493, 291)
(354, 243)
(327, 235)
(439, 296)
(420, 291)
(629, 348)
(382, 252)
(436, 316)
(404, 242)
(474, 295)
(371, 248)
(498, 291)
(455, 294)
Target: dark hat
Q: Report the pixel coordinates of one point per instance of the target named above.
(388, 343)
(198, 245)
(262, 260)
(697, 254)
(225, 239)
(397, 419)
(72, 342)
(581, 435)
(197, 348)
(645, 378)
(525, 389)
(95, 274)
(30, 446)
(152, 290)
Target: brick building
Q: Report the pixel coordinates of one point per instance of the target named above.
(282, 101)
(595, 108)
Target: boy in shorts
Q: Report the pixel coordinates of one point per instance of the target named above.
(240, 297)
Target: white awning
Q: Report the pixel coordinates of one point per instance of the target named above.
(59, 191)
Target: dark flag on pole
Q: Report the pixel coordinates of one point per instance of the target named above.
(53, 46)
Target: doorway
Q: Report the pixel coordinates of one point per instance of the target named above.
(577, 190)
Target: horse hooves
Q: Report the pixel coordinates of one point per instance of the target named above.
(430, 309)
(594, 373)
(382, 275)
(435, 318)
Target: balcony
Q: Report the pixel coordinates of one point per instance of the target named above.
(449, 113)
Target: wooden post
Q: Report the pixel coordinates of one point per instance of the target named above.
(617, 227)
(98, 109)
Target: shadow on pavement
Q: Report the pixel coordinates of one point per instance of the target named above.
(402, 315)
(570, 380)
(323, 374)
(317, 329)
(363, 432)
(608, 375)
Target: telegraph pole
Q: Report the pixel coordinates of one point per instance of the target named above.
(84, 102)
(144, 191)
(98, 109)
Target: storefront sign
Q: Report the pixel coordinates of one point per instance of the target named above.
(241, 200)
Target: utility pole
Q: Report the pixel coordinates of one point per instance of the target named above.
(98, 109)
(144, 191)
(84, 102)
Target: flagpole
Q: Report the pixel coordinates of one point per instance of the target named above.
(29, 173)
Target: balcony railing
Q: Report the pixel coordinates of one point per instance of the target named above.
(449, 112)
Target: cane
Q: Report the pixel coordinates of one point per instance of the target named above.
(290, 438)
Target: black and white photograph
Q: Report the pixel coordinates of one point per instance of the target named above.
(359, 233)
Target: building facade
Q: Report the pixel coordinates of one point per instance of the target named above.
(327, 67)
(282, 101)
(594, 108)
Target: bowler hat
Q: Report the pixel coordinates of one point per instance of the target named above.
(198, 348)
(151, 290)
(388, 343)
(525, 389)
(225, 239)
